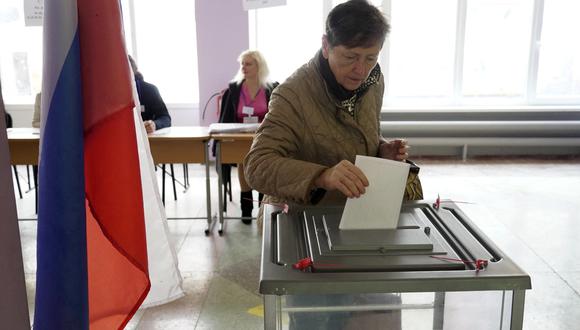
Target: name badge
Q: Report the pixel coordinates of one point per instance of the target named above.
(251, 120)
(249, 111)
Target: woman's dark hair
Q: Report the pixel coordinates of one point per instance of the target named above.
(356, 23)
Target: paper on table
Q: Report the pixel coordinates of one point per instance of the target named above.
(233, 127)
(161, 131)
(380, 206)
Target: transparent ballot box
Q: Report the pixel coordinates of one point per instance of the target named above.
(436, 270)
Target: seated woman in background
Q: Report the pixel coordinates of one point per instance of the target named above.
(153, 110)
(246, 101)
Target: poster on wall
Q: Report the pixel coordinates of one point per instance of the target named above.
(255, 4)
(33, 12)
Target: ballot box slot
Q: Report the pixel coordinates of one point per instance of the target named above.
(476, 234)
(301, 247)
(287, 239)
(275, 233)
(464, 234)
(455, 243)
(311, 248)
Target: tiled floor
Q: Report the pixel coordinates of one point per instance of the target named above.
(530, 208)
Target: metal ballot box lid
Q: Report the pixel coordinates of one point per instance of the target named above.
(431, 250)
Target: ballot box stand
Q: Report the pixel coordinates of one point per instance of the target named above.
(436, 270)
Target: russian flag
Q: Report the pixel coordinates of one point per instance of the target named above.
(94, 173)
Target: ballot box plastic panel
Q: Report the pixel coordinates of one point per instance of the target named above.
(474, 310)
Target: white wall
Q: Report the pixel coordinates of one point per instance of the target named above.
(222, 34)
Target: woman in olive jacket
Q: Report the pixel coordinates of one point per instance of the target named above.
(325, 114)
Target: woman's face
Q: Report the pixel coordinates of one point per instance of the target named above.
(351, 66)
(249, 67)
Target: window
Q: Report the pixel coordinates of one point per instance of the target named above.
(447, 52)
(163, 44)
(420, 63)
(20, 55)
(559, 51)
(496, 48)
(161, 36)
(288, 36)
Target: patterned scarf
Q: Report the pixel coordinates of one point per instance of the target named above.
(346, 99)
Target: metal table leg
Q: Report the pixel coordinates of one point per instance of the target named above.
(438, 310)
(210, 221)
(272, 315)
(518, 301)
(220, 192)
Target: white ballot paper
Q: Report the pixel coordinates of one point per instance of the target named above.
(380, 205)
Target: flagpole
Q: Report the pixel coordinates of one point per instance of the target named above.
(13, 302)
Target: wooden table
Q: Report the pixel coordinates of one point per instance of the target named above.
(23, 145)
(180, 144)
(187, 144)
(231, 148)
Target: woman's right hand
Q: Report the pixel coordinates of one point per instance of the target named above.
(344, 177)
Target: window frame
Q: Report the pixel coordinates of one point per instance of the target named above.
(529, 100)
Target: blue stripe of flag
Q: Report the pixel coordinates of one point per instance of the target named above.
(61, 280)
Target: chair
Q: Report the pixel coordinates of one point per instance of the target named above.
(226, 184)
(172, 174)
(163, 182)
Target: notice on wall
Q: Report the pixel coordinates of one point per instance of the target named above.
(255, 4)
(33, 12)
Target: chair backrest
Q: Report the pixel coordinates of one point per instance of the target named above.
(8, 120)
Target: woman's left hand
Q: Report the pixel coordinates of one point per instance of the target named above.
(395, 150)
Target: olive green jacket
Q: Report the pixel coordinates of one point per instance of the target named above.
(305, 132)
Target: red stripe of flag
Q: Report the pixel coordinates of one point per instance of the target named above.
(116, 248)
